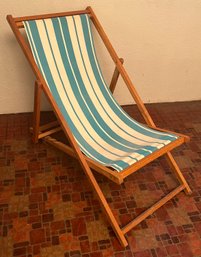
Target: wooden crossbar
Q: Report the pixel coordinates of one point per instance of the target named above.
(19, 20)
(152, 209)
(49, 132)
(46, 129)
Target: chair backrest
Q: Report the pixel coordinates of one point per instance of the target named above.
(64, 51)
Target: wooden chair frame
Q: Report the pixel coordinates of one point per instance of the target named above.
(87, 164)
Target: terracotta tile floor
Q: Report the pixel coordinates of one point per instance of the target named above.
(47, 207)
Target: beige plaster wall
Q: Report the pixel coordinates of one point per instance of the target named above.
(160, 41)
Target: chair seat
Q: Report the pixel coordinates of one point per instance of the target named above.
(64, 51)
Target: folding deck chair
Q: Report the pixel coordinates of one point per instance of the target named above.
(102, 136)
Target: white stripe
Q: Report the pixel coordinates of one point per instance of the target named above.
(110, 112)
(62, 93)
(112, 98)
(37, 59)
(123, 156)
(62, 71)
(34, 50)
(132, 148)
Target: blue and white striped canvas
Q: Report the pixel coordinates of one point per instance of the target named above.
(64, 51)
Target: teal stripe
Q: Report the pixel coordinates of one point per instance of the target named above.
(140, 151)
(99, 81)
(84, 99)
(80, 86)
(107, 94)
(73, 84)
(89, 101)
(32, 46)
(53, 88)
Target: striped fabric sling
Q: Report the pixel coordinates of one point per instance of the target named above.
(64, 51)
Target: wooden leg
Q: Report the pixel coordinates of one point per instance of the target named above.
(115, 77)
(119, 233)
(177, 171)
(36, 114)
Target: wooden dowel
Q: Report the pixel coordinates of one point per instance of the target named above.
(50, 15)
(46, 126)
(152, 209)
(49, 132)
(19, 20)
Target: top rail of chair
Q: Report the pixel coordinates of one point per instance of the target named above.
(19, 20)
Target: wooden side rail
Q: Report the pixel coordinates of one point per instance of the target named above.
(115, 77)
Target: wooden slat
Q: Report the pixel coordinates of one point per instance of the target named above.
(112, 175)
(152, 209)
